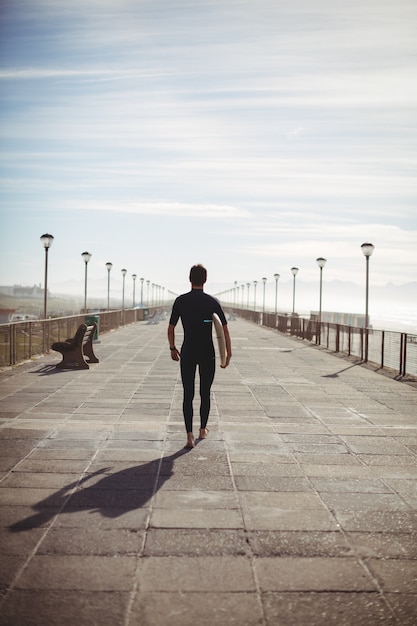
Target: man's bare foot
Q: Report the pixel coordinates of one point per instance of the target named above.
(190, 441)
(203, 433)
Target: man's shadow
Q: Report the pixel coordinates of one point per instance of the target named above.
(112, 496)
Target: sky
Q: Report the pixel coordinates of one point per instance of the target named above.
(248, 135)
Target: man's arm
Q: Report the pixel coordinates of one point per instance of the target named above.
(228, 345)
(175, 355)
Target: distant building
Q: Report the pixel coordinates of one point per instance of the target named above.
(17, 291)
(346, 319)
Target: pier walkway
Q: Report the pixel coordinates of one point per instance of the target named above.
(300, 508)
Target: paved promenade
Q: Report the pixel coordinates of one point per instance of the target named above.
(299, 509)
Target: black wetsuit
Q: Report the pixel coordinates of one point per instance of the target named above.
(196, 309)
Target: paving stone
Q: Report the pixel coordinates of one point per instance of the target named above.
(63, 607)
(92, 573)
(299, 543)
(312, 574)
(218, 574)
(327, 609)
(190, 609)
(395, 576)
(195, 542)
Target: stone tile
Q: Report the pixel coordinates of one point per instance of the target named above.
(377, 521)
(345, 485)
(311, 574)
(364, 502)
(10, 566)
(196, 518)
(337, 471)
(63, 607)
(196, 499)
(25, 517)
(192, 609)
(388, 460)
(195, 542)
(103, 517)
(92, 541)
(328, 459)
(395, 576)
(327, 609)
(36, 480)
(275, 518)
(272, 483)
(405, 607)
(19, 544)
(287, 500)
(218, 574)
(179, 482)
(387, 545)
(85, 573)
(299, 543)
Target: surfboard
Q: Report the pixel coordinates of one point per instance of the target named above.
(221, 341)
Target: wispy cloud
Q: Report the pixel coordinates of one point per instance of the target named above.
(171, 209)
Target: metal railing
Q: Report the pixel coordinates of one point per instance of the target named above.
(384, 348)
(21, 341)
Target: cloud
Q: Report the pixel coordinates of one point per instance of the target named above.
(170, 209)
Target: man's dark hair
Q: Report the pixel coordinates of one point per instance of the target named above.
(198, 275)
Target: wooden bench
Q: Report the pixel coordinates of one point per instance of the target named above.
(75, 349)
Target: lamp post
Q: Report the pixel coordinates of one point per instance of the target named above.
(248, 286)
(294, 271)
(264, 279)
(108, 266)
(321, 262)
(255, 282)
(276, 276)
(134, 276)
(243, 294)
(148, 282)
(367, 249)
(46, 241)
(124, 272)
(141, 292)
(86, 256)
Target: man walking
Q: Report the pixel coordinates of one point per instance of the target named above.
(196, 308)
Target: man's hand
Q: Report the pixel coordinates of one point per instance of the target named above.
(175, 355)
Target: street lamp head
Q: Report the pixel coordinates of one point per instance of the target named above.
(294, 271)
(321, 262)
(86, 256)
(124, 272)
(276, 276)
(134, 276)
(367, 248)
(255, 282)
(47, 240)
(109, 266)
(264, 279)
